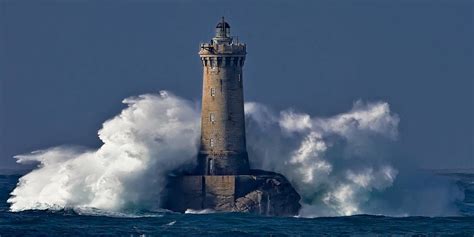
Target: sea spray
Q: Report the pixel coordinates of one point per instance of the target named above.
(153, 136)
(339, 165)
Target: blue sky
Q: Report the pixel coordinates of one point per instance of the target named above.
(65, 66)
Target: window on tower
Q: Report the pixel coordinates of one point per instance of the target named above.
(213, 91)
(211, 142)
(212, 118)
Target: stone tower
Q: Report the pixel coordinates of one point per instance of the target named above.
(223, 148)
(223, 180)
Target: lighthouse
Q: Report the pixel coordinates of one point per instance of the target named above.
(223, 147)
(222, 179)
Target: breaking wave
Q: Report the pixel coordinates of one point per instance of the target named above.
(340, 165)
(153, 136)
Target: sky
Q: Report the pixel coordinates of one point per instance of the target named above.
(65, 66)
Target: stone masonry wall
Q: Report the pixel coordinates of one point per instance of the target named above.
(223, 145)
(267, 193)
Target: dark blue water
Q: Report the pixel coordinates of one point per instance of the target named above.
(71, 223)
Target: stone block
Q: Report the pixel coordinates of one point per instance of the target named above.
(261, 193)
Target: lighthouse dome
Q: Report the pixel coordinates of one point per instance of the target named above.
(223, 31)
(222, 24)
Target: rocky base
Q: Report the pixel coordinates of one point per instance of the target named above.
(261, 192)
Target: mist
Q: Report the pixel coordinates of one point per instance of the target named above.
(340, 165)
(153, 136)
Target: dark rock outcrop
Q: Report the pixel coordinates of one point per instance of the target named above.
(261, 192)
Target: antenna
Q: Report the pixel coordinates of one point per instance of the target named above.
(223, 26)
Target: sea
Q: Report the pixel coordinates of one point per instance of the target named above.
(162, 223)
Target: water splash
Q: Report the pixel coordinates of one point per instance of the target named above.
(153, 136)
(339, 164)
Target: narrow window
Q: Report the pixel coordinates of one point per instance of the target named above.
(213, 64)
(212, 118)
(212, 142)
(240, 80)
(213, 91)
(211, 166)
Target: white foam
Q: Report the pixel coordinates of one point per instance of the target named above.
(203, 211)
(154, 135)
(338, 164)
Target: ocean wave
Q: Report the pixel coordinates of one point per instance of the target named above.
(340, 165)
(204, 211)
(86, 211)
